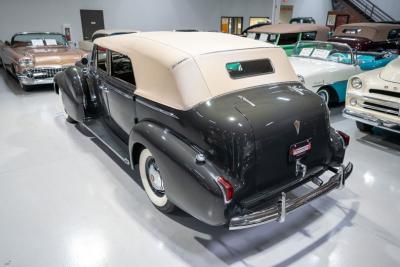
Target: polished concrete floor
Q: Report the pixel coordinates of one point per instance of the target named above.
(65, 200)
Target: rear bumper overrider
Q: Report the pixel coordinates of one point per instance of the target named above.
(372, 120)
(284, 206)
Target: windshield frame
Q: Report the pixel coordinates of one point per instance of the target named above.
(42, 37)
(353, 57)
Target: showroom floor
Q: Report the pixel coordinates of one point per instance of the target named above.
(65, 200)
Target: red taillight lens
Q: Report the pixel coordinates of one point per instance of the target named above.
(345, 137)
(227, 187)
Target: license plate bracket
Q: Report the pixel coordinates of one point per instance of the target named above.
(300, 150)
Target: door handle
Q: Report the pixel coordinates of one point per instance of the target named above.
(103, 87)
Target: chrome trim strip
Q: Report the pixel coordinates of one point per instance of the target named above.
(119, 92)
(285, 206)
(125, 160)
(380, 109)
(157, 109)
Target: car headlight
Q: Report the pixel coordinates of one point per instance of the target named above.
(301, 79)
(356, 83)
(25, 62)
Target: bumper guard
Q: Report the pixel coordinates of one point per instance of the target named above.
(285, 206)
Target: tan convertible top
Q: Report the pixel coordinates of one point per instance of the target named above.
(377, 32)
(322, 30)
(183, 69)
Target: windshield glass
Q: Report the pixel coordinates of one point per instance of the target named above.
(38, 39)
(335, 52)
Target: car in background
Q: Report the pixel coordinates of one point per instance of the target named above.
(88, 45)
(287, 35)
(36, 57)
(369, 36)
(325, 67)
(373, 99)
(245, 31)
(228, 152)
(301, 20)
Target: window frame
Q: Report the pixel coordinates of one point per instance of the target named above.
(303, 33)
(280, 35)
(96, 60)
(253, 75)
(398, 34)
(119, 79)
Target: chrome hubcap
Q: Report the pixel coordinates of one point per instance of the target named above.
(154, 177)
(324, 96)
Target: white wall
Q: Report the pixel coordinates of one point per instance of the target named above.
(318, 9)
(247, 9)
(49, 15)
(392, 7)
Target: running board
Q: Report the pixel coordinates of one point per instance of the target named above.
(102, 132)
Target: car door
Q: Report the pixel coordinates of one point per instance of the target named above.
(98, 76)
(120, 84)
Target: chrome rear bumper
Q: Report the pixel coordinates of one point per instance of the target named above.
(372, 120)
(283, 207)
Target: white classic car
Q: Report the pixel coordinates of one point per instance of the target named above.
(325, 67)
(373, 98)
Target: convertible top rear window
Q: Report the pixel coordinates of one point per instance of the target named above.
(243, 69)
(352, 31)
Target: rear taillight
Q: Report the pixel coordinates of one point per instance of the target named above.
(226, 187)
(345, 137)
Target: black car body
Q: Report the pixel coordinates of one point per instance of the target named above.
(219, 125)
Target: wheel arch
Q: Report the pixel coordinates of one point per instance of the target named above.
(334, 97)
(183, 176)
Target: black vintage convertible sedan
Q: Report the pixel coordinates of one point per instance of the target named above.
(218, 125)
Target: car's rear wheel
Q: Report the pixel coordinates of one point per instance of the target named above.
(67, 117)
(153, 183)
(363, 127)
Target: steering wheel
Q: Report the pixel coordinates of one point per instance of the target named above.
(341, 57)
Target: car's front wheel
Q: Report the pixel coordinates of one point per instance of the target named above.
(153, 183)
(325, 95)
(363, 127)
(67, 117)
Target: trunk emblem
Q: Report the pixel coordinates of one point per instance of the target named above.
(296, 125)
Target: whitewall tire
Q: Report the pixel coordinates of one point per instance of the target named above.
(325, 95)
(153, 183)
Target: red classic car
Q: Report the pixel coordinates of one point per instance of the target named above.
(369, 36)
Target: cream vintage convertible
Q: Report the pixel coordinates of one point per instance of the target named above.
(373, 98)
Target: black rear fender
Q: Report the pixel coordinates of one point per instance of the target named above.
(74, 88)
(189, 185)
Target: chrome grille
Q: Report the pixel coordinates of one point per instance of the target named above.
(42, 73)
(384, 92)
(383, 108)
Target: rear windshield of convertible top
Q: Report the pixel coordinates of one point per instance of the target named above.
(243, 69)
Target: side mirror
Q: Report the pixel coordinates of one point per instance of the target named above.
(7, 43)
(84, 61)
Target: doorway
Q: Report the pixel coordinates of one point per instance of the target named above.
(92, 20)
(286, 13)
(232, 25)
